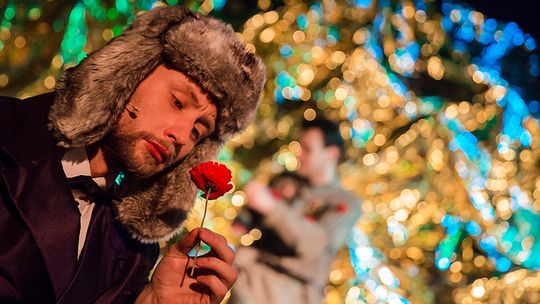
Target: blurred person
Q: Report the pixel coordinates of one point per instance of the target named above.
(315, 227)
(155, 101)
(285, 187)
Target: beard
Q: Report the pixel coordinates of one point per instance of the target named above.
(120, 151)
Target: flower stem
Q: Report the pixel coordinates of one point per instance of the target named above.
(199, 245)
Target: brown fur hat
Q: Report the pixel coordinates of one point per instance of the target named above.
(92, 95)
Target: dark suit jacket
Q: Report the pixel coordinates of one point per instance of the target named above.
(39, 223)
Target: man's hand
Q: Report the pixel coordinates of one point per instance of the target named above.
(259, 198)
(214, 275)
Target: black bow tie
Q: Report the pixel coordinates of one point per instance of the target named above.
(88, 186)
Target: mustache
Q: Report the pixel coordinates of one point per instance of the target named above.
(172, 149)
(123, 141)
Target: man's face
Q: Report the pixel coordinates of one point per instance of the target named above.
(174, 114)
(314, 156)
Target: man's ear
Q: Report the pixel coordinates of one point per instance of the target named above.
(333, 152)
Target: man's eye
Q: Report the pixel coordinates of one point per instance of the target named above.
(195, 133)
(178, 103)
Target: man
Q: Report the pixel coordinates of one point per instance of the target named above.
(315, 226)
(155, 101)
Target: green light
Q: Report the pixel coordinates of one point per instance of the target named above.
(122, 6)
(119, 178)
(172, 2)
(130, 19)
(328, 96)
(74, 36)
(117, 30)
(224, 155)
(9, 13)
(112, 13)
(80, 57)
(244, 176)
(34, 13)
(76, 15)
(58, 25)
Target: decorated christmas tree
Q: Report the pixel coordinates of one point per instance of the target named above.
(438, 104)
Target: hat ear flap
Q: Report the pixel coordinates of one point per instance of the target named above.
(154, 210)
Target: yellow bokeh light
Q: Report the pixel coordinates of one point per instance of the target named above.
(238, 199)
(299, 36)
(4, 80)
(271, 17)
(408, 11)
(246, 240)
(267, 35)
(379, 139)
(310, 114)
(19, 42)
(305, 74)
(435, 68)
(341, 93)
(49, 82)
(255, 234)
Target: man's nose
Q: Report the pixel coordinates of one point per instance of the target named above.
(180, 134)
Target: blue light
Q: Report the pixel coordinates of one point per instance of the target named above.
(420, 5)
(378, 22)
(468, 144)
(460, 46)
(332, 35)
(362, 3)
(490, 25)
(511, 28)
(466, 32)
(443, 263)
(534, 106)
(284, 79)
(518, 38)
(219, 4)
(526, 139)
(473, 228)
(286, 51)
(278, 95)
(503, 147)
(303, 22)
(503, 264)
(447, 221)
(530, 44)
(446, 8)
(447, 23)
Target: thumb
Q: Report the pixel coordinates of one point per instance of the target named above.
(184, 245)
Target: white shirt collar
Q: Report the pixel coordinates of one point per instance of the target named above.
(75, 162)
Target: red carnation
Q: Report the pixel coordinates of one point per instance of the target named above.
(214, 179)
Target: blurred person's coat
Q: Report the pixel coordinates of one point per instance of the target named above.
(316, 227)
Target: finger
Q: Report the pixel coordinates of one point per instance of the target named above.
(216, 286)
(185, 244)
(225, 272)
(218, 244)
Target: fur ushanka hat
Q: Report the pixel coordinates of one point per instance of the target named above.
(91, 96)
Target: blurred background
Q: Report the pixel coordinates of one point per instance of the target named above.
(438, 102)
